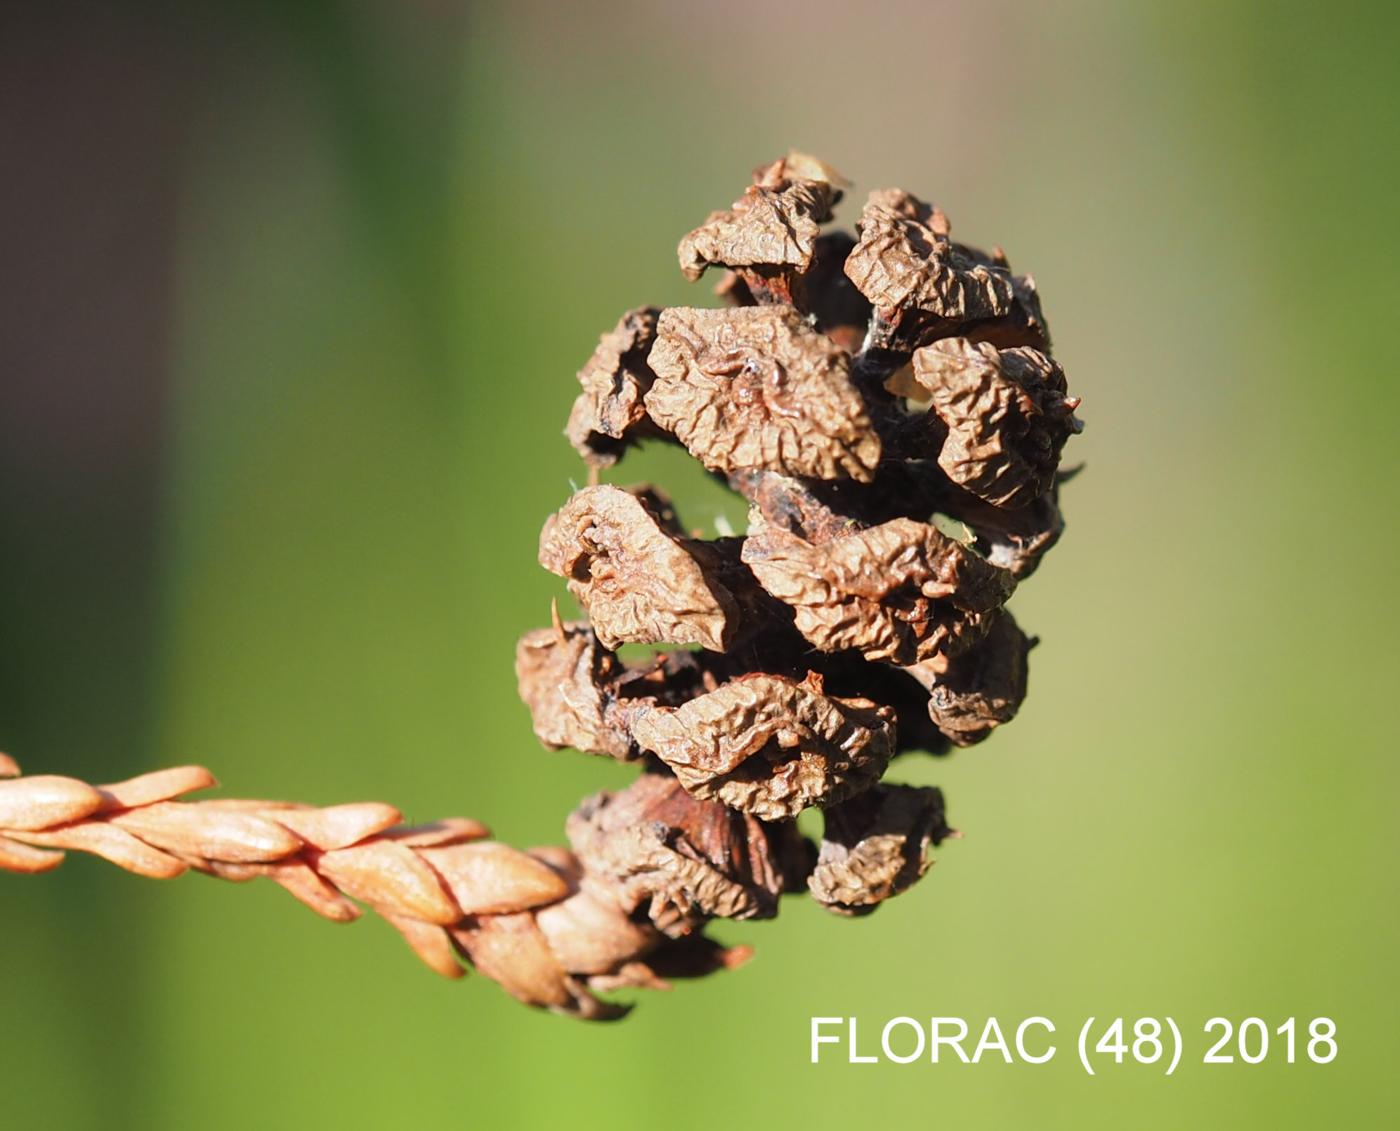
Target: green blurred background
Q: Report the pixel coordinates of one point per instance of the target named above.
(293, 296)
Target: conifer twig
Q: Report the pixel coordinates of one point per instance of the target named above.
(533, 921)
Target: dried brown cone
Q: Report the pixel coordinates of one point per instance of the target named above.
(888, 405)
(540, 923)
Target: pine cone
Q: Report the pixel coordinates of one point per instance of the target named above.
(887, 404)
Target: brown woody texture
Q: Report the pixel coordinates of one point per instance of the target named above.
(887, 404)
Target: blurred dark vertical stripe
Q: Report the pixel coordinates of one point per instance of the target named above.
(91, 111)
(98, 106)
(94, 101)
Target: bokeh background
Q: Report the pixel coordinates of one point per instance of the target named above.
(292, 299)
